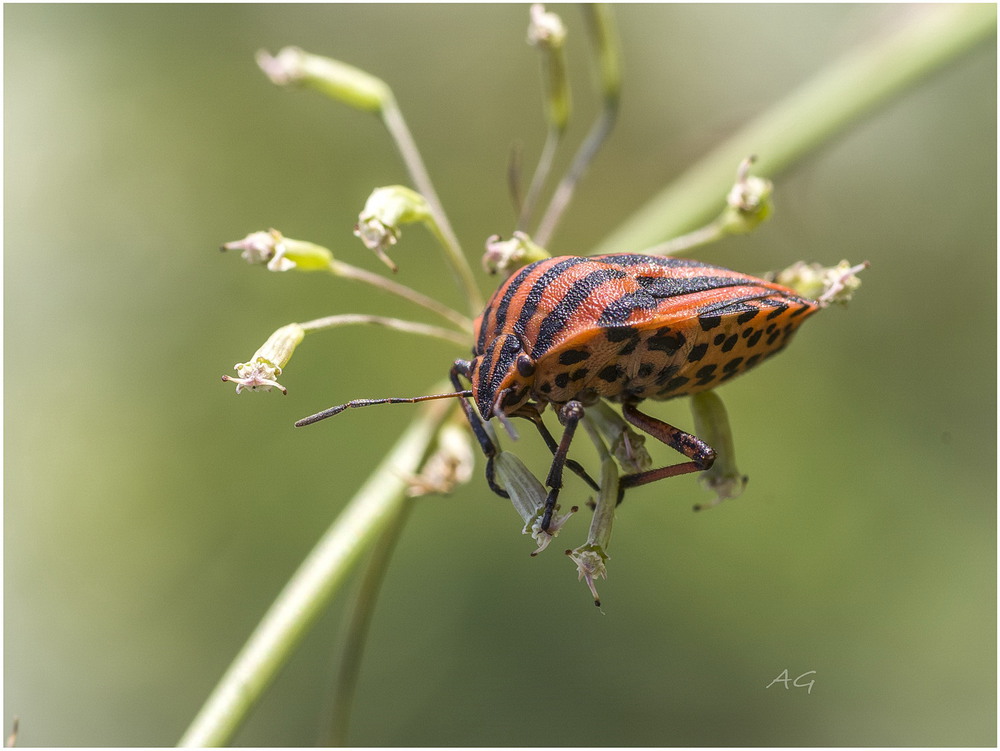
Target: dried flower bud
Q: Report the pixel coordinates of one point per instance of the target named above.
(385, 211)
(547, 33)
(281, 253)
(749, 202)
(354, 87)
(545, 28)
(825, 284)
(528, 496)
(260, 372)
(450, 465)
(711, 423)
(505, 256)
(591, 556)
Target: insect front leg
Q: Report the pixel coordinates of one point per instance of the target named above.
(702, 455)
(570, 415)
(530, 412)
(464, 368)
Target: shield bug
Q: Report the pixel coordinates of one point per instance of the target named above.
(571, 330)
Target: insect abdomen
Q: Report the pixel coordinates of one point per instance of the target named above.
(631, 363)
(632, 327)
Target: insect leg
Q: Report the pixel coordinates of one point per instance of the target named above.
(528, 412)
(570, 415)
(700, 453)
(464, 368)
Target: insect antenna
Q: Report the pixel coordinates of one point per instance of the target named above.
(369, 402)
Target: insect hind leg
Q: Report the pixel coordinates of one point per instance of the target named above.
(701, 455)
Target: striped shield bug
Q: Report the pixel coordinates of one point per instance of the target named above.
(571, 330)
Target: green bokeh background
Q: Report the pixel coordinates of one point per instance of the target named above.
(151, 515)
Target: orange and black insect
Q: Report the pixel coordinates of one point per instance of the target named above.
(570, 330)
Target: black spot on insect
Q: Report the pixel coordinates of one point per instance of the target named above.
(752, 341)
(666, 374)
(675, 383)
(802, 308)
(545, 388)
(770, 328)
(645, 370)
(719, 339)
(706, 372)
(620, 334)
(773, 337)
(732, 365)
(562, 380)
(753, 360)
(629, 348)
(610, 374)
(745, 333)
(730, 343)
(573, 356)
(747, 317)
(778, 310)
(709, 322)
(697, 352)
(664, 341)
(578, 374)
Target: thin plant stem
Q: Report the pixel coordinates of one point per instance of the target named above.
(601, 25)
(313, 586)
(542, 169)
(392, 117)
(564, 191)
(824, 107)
(358, 622)
(710, 233)
(411, 327)
(347, 271)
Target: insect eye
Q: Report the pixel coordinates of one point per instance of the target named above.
(525, 365)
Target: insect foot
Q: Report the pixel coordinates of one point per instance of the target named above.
(529, 498)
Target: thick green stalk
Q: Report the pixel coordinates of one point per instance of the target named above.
(810, 117)
(312, 587)
(355, 632)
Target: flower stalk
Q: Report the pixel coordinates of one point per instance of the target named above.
(281, 253)
(547, 33)
(604, 38)
(363, 91)
(314, 585)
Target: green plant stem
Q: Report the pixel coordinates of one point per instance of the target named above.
(347, 271)
(818, 111)
(358, 621)
(410, 327)
(542, 169)
(312, 587)
(392, 117)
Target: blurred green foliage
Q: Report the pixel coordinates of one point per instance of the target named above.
(151, 515)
